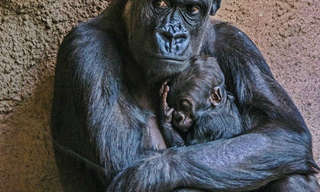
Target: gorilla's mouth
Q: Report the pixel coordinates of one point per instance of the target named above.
(170, 58)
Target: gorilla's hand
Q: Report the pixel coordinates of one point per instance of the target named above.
(139, 176)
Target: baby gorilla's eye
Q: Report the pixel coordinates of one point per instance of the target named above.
(160, 4)
(185, 105)
(193, 9)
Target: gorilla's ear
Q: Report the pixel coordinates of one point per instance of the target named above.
(216, 96)
(215, 6)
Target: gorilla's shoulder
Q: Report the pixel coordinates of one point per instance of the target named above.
(225, 31)
(90, 44)
(89, 33)
(232, 42)
(231, 37)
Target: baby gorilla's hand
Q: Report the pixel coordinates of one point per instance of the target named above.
(172, 137)
(166, 111)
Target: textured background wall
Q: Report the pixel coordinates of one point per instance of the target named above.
(286, 31)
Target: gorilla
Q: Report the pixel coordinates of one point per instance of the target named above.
(104, 116)
(198, 108)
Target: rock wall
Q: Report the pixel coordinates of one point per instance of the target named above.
(286, 31)
(30, 33)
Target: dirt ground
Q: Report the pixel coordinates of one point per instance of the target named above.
(286, 31)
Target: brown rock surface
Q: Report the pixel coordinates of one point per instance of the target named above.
(30, 32)
(286, 31)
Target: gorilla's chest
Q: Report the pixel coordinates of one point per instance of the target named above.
(153, 136)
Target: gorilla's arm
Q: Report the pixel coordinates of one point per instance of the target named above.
(277, 142)
(90, 115)
(239, 164)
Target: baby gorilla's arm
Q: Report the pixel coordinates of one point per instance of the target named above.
(171, 136)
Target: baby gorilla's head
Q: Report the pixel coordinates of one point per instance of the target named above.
(183, 115)
(195, 91)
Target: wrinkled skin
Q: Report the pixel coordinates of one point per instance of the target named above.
(104, 114)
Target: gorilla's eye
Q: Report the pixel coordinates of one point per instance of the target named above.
(160, 4)
(193, 9)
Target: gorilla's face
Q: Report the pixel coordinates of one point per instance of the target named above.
(164, 34)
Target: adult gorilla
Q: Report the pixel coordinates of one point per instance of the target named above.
(104, 120)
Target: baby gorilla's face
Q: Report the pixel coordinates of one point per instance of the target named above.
(183, 115)
(186, 108)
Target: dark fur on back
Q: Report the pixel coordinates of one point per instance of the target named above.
(222, 122)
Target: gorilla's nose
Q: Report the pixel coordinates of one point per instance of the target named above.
(174, 32)
(173, 40)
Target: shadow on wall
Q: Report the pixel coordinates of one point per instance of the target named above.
(26, 153)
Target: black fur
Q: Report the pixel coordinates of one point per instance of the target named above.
(105, 103)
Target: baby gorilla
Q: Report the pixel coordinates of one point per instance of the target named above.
(197, 108)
